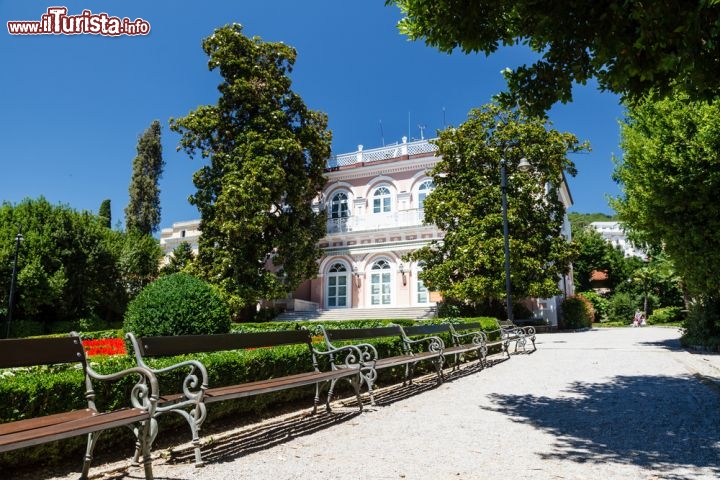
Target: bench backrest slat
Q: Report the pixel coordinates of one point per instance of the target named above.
(475, 326)
(426, 329)
(342, 334)
(187, 344)
(25, 352)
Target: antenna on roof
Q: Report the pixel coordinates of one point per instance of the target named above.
(409, 138)
(382, 135)
(422, 130)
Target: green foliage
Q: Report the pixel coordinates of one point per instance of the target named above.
(666, 315)
(177, 304)
(469, 262)
(669, 174)
(143, 210)
(181, 258)
(702, 325)
(66, 263)
(622, 308)
(595, 253)
(601, 305)
(105, 213)
(138, 260)
(577, 312)
(629, 47)
(267, 154)
(580, 221)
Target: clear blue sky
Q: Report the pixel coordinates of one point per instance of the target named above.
(72, 107)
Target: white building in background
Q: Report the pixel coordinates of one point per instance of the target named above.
(613, 233)
(180, 232)
(374, 202)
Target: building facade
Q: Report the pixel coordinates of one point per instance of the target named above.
(374, 203)
(613, 233)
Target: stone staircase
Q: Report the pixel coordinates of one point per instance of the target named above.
(414, 313)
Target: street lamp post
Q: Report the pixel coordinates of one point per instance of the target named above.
(523, 166)
(18, 239)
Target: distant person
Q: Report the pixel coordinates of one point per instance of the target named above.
(637, 319)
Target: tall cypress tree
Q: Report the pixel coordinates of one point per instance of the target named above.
(105, 213)
(143, 210)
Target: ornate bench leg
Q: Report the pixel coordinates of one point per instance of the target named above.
(329, 395)
(87, 460)
(439, 362)
(148, 432)
(356, 381)
(369, 375)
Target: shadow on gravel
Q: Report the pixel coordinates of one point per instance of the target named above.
(659, 422)
(261, 437)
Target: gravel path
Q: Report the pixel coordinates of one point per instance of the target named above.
(602, 404)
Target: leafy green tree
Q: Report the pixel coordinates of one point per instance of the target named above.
(66, 266)
(629, 47)
(143, 210)
(181, 257)
(267, 154)
(594, 255)
(466, 204)
(139, 261)
(670, 179)
(105, 213)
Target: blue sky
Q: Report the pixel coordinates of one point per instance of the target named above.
(72, 107)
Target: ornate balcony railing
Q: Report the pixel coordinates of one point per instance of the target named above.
(376, 154)
(377, 221)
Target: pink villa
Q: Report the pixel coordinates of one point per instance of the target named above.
(374, 202)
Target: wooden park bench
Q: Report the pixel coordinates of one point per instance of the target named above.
(190, 400)
(468, 337)
(517, 334)
(29, 432)
(414, 350)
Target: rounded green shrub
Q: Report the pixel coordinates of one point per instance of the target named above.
(177, 304)
(577, 312)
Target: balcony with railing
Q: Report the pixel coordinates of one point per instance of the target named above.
(377, 221)
(363, 157)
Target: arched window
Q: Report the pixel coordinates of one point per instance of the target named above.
(339, 206)
(423, 191)
(337, 286)
(382, 200)
(380, 283)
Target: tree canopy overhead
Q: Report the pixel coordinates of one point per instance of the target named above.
(267, 153)
(629, 47)
(468, 264)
